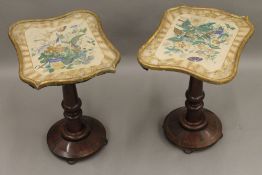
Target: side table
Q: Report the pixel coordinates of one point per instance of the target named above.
(205, 43)
(66, 50)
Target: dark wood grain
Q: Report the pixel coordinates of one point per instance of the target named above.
(192, 127)
(76, 136)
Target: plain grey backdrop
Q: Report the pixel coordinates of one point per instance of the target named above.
(131, 103)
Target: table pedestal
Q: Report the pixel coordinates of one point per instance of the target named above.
(192, 127)
(75, 137)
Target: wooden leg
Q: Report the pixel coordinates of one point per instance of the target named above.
(192, 127)
(75, 137)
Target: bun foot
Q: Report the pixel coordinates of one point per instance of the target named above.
(71, 162)
(187, 151)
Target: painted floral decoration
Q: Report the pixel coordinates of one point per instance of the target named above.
(65, 51)
(202, 40)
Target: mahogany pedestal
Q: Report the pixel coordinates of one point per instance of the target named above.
(75, 137)
(193, 127)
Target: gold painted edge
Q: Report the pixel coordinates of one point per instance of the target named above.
(189, 72)
(42, 84)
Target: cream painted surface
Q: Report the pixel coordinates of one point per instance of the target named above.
(39, 38)
(210, 65)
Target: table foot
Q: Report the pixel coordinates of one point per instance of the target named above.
(74, 150)
(71, 162)
(192, 140)
(188, 151)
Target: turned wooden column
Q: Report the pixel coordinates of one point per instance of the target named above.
(76, 136)
(74, 128)
(193, 127)
(194, 118)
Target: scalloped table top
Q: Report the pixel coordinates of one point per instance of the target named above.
(63, 50)
(202, 42)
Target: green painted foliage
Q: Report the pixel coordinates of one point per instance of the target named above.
(66, 52)
(209, 34)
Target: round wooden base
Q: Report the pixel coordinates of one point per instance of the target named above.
(192, 140)
(74, 150)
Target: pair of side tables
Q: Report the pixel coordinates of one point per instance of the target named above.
(203, 42)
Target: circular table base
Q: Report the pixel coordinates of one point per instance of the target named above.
(192, 140)
(73, 151)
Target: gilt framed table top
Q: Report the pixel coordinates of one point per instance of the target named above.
(67, 49)
(203, 42)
